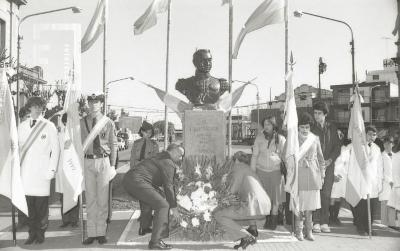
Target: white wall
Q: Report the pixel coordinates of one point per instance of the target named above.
(5, 15)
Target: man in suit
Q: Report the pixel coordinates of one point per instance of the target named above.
(98, 133)
(39, 151)
(143, 183)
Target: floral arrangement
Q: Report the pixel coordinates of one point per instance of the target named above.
(202, 188)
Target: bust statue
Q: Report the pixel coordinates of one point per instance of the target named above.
(202, 90)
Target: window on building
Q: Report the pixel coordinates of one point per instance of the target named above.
(375, 77)
(2, 34)
(379, 94)
(343, 116)
(379, 115)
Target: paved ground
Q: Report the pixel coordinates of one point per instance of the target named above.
(122, 232)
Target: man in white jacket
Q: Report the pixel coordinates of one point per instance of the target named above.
(39, 151)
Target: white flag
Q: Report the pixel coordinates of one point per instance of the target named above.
(149, 18)
(96, 26)
(269, 12)
(292, 146)
(10, 176)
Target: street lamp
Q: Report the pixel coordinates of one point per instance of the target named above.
(321, 70)
(258, 97)
(106, 94)
(301, 13)
(74, 10)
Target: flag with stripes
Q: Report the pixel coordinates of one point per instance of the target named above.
(96, 26)
(269, 12)
(10, 177)
(228, 100)
(149, 18)
(172, 102)
(292, 146)
(357, 177)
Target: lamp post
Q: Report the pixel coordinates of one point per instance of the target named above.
(257, 96)
(74, 10)
(300, 13)
(106, 93)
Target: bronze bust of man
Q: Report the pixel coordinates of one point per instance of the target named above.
(202, 89)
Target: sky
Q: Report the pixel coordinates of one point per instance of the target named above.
(197, 24)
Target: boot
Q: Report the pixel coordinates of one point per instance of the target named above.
(274, 222)
(309, 226)
(299, 228)
(267, 222)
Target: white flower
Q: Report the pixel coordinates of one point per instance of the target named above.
(209, 172)
(184, 224)
(197, 169)
(207, 216)
(223, 179)
(185, 202)
(195, 222)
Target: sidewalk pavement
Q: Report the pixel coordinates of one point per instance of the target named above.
(342, 238)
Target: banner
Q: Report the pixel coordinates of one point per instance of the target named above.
(149, 18)
(96, 26)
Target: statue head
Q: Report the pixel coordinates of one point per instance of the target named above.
(202, 59)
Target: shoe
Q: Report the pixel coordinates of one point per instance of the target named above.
(31, 239)
(102, 239)
(165, 244)
(325, 228)
(74, 224)
(144, 231)
(299, 235)
(310, 236)
(362, 232)
(245, 242)
(253, 232)
(89, 241)
(267, 224)
(40, 237)
(64, 225)
(317, 228)
(160, 245)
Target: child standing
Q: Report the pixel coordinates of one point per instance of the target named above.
(310, 176)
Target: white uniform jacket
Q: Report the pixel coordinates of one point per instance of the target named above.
(387, 177)
(40, 163)
(394, 200)
(375, 170)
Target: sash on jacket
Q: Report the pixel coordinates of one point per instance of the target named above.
(32, 138)
(94, 132)
(303, 149)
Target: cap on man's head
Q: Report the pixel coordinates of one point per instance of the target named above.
(35, 101)
(94, 97)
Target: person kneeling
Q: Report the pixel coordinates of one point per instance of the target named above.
(253, 202)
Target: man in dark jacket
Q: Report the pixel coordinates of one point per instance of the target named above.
(144, 182)
(330, 144)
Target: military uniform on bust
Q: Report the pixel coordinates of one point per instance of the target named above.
(202, 89)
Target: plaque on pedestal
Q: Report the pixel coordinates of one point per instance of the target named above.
(204, 133)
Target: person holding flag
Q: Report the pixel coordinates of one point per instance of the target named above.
(39, 152)
(100, 148)
(311, 174)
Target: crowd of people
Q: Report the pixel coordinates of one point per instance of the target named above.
(259, 178)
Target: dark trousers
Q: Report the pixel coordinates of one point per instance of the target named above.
(321, 216)
(146, 215)
(38, 220)
(72, 216)
(152, 199)
(361, 213)
(22, 219)
(288, 213)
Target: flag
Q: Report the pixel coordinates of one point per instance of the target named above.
(292, 146)
(10, 177)
(149, 18)
(227, 101)
(269, 12)
(96, 26)
(396, 26)
(71, 165)
(357, 177)
(172, 102)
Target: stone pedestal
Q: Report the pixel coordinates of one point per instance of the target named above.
(205, 133)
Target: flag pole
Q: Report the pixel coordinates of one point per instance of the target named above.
(167, 76)
(369, 216)
(230, 76)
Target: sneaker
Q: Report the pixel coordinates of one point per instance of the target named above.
(299, 235)
(317, 228)
(325, 228)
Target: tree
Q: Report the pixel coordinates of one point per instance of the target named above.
(159, 127)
